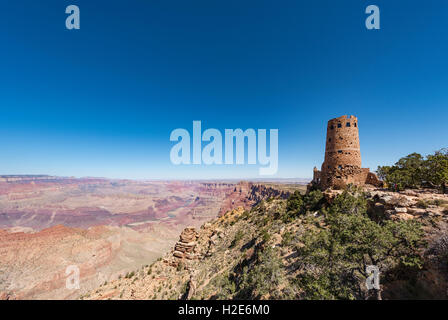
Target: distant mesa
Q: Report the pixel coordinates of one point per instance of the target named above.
(342, 164)
(26, 178)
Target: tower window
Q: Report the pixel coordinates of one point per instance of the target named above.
(332, 127)
(348, 124)
(329, 139)
(339, 167)
(339, 151)
(339, 125)
(354, 124)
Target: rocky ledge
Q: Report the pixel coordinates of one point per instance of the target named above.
(403, 205)
(409, 204)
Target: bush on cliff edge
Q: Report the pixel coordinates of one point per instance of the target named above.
(334, 256)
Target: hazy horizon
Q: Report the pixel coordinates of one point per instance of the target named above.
(149, 179)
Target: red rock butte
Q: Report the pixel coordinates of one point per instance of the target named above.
(342, 164)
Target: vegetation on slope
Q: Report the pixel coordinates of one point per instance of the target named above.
(301, 248)
(334, 256)
(323, 251)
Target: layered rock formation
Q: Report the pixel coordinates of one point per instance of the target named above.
(106, 227)
(247, 194)
(184, 248)
(200, 254)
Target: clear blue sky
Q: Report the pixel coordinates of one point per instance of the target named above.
(103, 100)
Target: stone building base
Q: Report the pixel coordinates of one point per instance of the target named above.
(340, 178)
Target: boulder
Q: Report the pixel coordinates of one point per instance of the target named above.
(433, 212)
(385, 199)
(403, 216)
(389, 213)
(409, 192)
(178, 254)
(402, 201)
(416, 211)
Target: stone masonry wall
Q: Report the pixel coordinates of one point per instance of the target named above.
(342, 164)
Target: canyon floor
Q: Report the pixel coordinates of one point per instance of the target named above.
(103, 227)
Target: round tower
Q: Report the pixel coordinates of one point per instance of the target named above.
(342, 145)
(342, 151)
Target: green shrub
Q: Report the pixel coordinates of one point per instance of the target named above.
(265, 235)
(245, 215)
(439, 202)
(335, 256)
(295, 202)
(238, 236)
(414, 171)
(263, 278)
(313, 200)
(227, 287)
(298, 204)
(422, 204)
(287, 238)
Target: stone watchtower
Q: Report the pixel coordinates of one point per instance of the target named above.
(342, 164)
